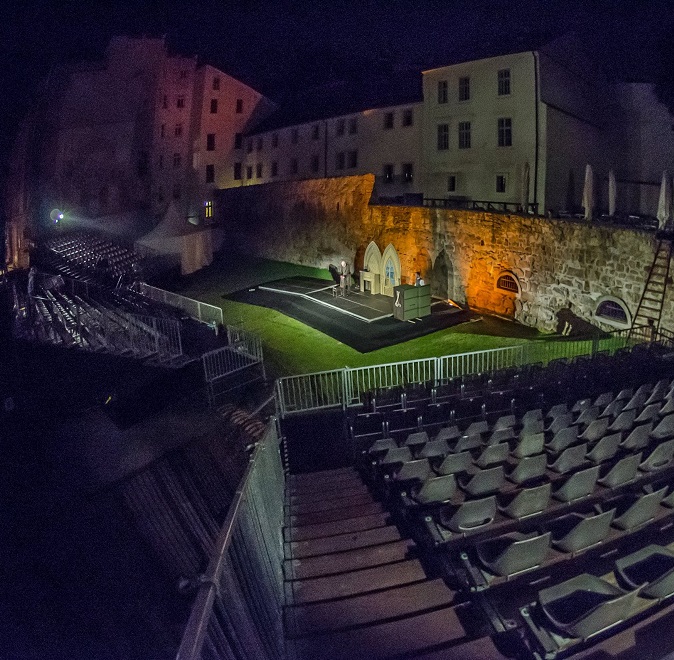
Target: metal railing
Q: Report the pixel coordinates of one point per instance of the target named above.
(196, 309)
(477, 362)
(238, 609)
(245, 340)
(481, 205)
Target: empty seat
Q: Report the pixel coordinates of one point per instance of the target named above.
(625, 395)
(624, 471)
(400, 422)
(448, 433)
(368, 424)
(528, 468)
(483, 482)
(514, 553)
(416, 440)
(466, 443)
(668, 500)
(381, 446)
(603, 399)
(605, 449)
(636, 510)
(469, 516)
(588, 415)
(531, 415)
(436, 414)
(651, 568)
(665, 429)
(501, 435)
(529, 445)
(477, 428)
(396, 455)
(562, 439)
(532, 426)
(504, 422)
(594, 430)
(659, 458)
(570, 459)
(658, 393)
(454, 463)
(417, 470)
(578, 485)
(493, 455)
(667, 408)
(576, 532)
(581, 405)
(559, 423)
(637, 401)
(613, 409)
(434, 449)
(435, 490)
(638, 438)
(624, 421)
(557, 410)
(585, 605)
(649, 413)
(527, 502)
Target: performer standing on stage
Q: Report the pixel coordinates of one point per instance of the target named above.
(344, 277)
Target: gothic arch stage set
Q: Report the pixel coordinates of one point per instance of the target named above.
(364, 317)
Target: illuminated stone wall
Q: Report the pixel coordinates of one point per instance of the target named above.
(560, 265)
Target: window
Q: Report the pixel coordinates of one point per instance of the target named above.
(443, 137)
(259, 144)
(162, 130)
(180, 102)
(214, 106)
(216, 84)
(464, 135)
(249, 172)
(507, 282)
(274, 140)
(208, 209)
(388, 172)
(294, 166)
(210, 142)
(238, 140)
(239, 106)
(408, 117)
(341, 127)
(164, 102)
(408, 172)
(237, 171)
(315, 132)
(274, 168)
(442, 91)
(294, 136)
(501, 183)
(389, 272)
(613, 311)
(315, 163)
(353, 125)
(451, 183)
(258, 170)
(249, 147)
(464, 88)
(176, 160)
(176, 191)
(178, 130)
(503, 82)
(210, 173)
(505, 132)
(340, 161)
(388, 120)
(353, 159)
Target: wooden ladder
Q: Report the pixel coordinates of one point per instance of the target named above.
(652, 300)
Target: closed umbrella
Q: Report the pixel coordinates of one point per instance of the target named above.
(525, 187)
(612, 193)
(588, 192)
(665, 201)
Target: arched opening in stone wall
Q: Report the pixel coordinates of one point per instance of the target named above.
(372, 263)
(614, 312)
(508, 286)
(390, 275)
(442, 273)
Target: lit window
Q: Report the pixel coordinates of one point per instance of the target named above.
(216, 84)
(388, 121)
(210, 173)
(408, 172)
(464, 88)
(442, 91)
(239, 106)
(388, 172)
(237, 171)
(274, 140)
(408, 117)
(464, 135)
(258, 170)
(505, 132)
(315, 163)
(238, 140)
(451, 183)
(507, 282)
(501, 183)
(178, 131)
(340, 160)
(274, 168)
(613, 311)
(294, 166)
(210, 142)
(389, 272)
(294, 136)
(208, 208)
(443, 137)
(176, 160)
(249, 172)
(503, 82)
(341, 127)
(180, 102)
(214, 106)
(353, 159)
(315, 132)
(353, 125)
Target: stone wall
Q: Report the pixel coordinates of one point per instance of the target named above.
(564, 268)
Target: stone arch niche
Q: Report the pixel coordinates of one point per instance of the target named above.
(372, 264)
(390, 272)
(444, 281)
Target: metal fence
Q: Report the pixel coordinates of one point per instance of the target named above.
(196, 309)
(237, 612)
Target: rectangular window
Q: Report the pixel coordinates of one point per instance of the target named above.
(315, 163)
(442, 91)
(464, 88)
(294, 166)
(180, 102)
(274, 140)
(214, 106)
(443, 137)
(210, 173)
(216, 84)
(340, 160)
(238, 140)
(178, 131)
(505, 132)
(176, 191)
(504, 82)
(294, 136)
(274, 168)
(408, 172)
(353, 125)
(464, 135)
(353, 159)
(408, 117)
(388, 172)
(249, 172)
(501, 183)
(315, 132)
(237, 171)
(210, 142)
(208, 209)
(249, 147)
(258, 170)
(239, 106)
(341, 127)
(259, 144)
(451, 183)
(176, 160)
(388, 120)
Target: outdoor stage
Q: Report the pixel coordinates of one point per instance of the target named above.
(363, 321)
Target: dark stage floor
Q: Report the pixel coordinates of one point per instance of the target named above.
(361, 320)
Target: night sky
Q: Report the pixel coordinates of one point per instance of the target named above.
(278, 46)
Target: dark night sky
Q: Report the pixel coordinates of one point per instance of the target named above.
(279, 45)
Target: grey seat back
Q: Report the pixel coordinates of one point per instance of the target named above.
(380, 446)
(434, 449)
(416, 439)
(659, 458)
(501, 435)
(667, 407)
(560, 422)
(624, 471)
(578, 485)
(603, 399)
(493, 454)
(471, 515)
(466, 443)
(396, 455)
(652, 567)
(638, 438)
(648, 413)
(532, 426)
(483, 482)
(528, 469)
(563, 438)
(454, 463)
(640, 511)
(637, 401)
(436, 490)
(557, 410)
(448, 433)
(504, 422)
(624, 421)
(529, 445)
(585, 532)
(514, 553)
(665, 429)
(528, 502)
(476, 428)
(416, 470)
(588, 415)
(570, 459)
(613, 409)
(594, 430)
(605, 449)
(531, 415)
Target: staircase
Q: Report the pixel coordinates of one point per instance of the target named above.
(649, 311)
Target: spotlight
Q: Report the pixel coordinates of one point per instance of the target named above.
(56, 216)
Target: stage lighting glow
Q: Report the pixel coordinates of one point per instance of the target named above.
(56, 215)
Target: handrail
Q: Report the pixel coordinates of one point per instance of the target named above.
(204, 312)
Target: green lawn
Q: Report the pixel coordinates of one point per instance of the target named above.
(290, 347)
